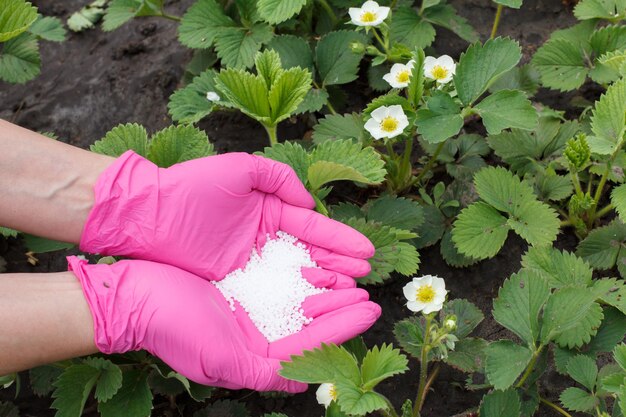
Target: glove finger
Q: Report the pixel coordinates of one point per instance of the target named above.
(277, 178)
(316, 305)
(319, 230)
(255, 341)
(324, 278)
(332, 261)
(261, 374)
(333, 327)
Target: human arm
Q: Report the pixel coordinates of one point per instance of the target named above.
(46, 185)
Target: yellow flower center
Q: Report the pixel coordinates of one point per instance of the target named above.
(333, 392)
(403, 76)
(389, 124)
(425, 294)
(439, 72)
(368, 17)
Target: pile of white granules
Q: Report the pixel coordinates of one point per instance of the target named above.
(271, 288)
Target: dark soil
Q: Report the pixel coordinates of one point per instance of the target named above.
(96, 80)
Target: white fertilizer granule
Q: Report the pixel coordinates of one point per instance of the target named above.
(271, 288)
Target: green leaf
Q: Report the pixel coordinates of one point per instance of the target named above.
(49, 29)
(583, 370)
(121, 11)
(612, 292)
(441, 120)
(391, 254)
(336, 126)
(292, 154)
(504, 362)
(481, 65)
(237, 46)
(410, 335)
(344, 160)
(519, 302)
(178, 144)
(468, 316)
(354, 401)
(479, 231)
(6, 232)
(19, 60)
(415, 90)
(324, 364)
(382, 363)
(15, 18)
(553, 187)
(561, 64)
(357, 347)
(397, 212)
(619, 353)
(618, 199)
(410, 29)
(42, 379)
(468, 355)
(571, 317)
(38, 244)
(287, 92)
(445, 15)
(576, 399)
(598, 9)
(336, 63)
(536, 222)
(133, 399)
(432, 229)
(507, 109)
(294, 52)
(500, 403)
(313, 101)
(190, 104)
(501, 189)
(614, 60)
(604, 247)
(608, 39)
(72, 389)
(561, 269)
(247, 92)
(109, 380)
(122, 138)
(524, 78)
(277, 11)
(86, 17)
(451, 254)
(515, 4)
(608, 121)
(202, 23)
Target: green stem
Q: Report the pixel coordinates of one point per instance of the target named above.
(604, 211)
(319, 205)
(598, 193)
(330, 108)
(429, 164)
(429, 382)
(576, 181)
(272, 133)
(391, 412)
(496, 21)
(555, 407)
(530, 367)
(417, 407)
(380, 40)
(565, 223)
(329, 10)
(170, 17)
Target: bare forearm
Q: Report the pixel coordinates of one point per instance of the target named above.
(46, 186)
(43, 318)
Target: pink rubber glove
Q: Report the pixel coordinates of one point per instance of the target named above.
(206, 215)
(185, 321)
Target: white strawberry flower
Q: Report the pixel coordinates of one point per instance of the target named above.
(399, 75)
(212, 96)
(369, 14)
(426, 294)
(439, 69)
(387, 122)
(326, 394)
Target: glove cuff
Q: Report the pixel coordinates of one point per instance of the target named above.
(120, 222)
(110, 304)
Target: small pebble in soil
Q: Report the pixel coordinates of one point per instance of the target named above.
(271, 288)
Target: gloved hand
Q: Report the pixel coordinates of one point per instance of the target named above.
(206, 215)
(185, 321)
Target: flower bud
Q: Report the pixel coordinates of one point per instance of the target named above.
(372, 50)
(357, 47)
(577, 152)
(450, 323)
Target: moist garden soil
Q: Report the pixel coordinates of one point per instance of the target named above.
(96, 80)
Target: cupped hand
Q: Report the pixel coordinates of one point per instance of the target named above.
(185, 321)
(206, 215)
